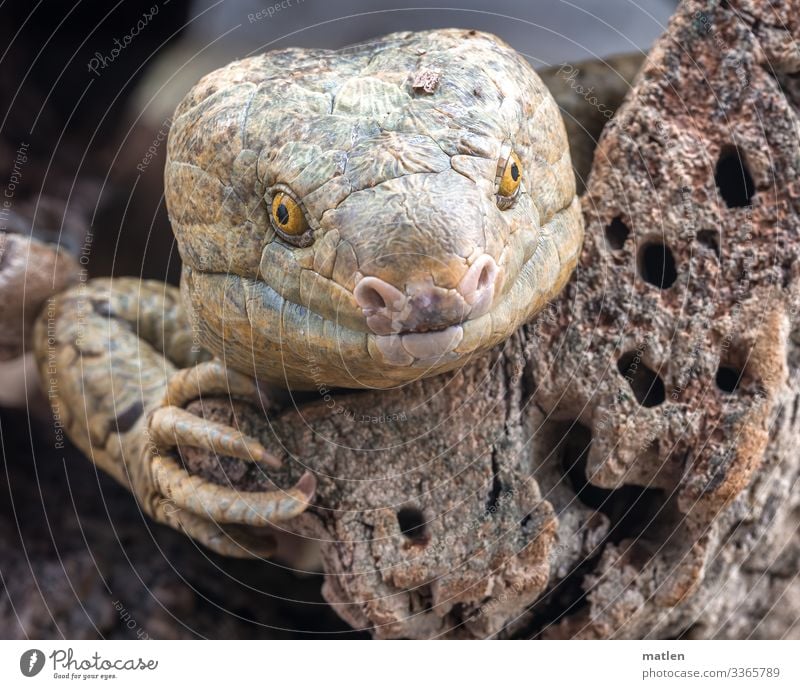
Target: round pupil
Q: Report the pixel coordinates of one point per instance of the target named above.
(514, 172)
(283, 214)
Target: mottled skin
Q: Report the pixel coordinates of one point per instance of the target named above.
(396, 183)
(413, 261)
(33, 265)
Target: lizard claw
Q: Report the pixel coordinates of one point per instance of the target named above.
(228, 505)
(229, 521)
(228, 542)
(172, 427)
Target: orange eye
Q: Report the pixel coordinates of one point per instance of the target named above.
(511, 177)
(287, 216)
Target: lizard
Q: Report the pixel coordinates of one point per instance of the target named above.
(610, 574)
(361, 218)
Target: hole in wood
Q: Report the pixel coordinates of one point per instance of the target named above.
(412, 525)
(733, 179)
(657, 265)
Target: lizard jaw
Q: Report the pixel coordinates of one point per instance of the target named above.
(420, 349)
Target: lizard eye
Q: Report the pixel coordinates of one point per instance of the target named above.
(509, 178)
(288, 219)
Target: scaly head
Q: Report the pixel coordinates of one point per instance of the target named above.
(369, 216)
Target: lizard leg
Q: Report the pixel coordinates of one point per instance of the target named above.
(230, 541)
(173, 427)
(118, 363)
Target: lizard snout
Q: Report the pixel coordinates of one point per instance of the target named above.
(422, 305)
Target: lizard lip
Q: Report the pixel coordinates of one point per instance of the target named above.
(420, 348)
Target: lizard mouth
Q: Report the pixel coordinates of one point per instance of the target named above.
(540, 274)
(423, 324)
(420, 349)
(486, 316)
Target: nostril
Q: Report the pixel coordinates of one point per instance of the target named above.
(373, 294)
(485, 278)
(478, 280)
(371, 299)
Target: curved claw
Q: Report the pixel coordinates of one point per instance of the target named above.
(228, 505)
(226, 542)
(174, 427)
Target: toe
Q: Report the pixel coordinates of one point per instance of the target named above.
(172, 427)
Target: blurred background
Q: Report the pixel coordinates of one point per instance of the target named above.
(86, 94)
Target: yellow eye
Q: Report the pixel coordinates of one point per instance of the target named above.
(287, 216)
(511, 177)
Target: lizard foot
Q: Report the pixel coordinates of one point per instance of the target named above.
(211, 513)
